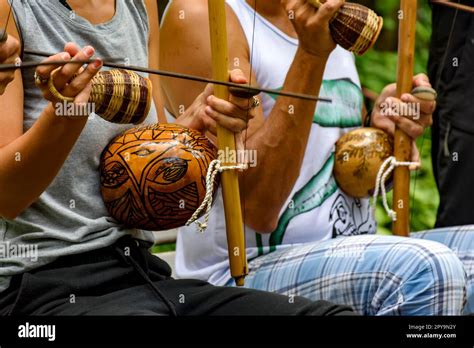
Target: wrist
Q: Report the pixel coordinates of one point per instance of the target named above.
(62, 113)
(307, 54)
(182, 121)
(312, 57)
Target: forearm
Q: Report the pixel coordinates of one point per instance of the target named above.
(31, 162)
(280, 144)
(158, 100)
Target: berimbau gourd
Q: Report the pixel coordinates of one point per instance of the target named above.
(153, 177)
(358, 158)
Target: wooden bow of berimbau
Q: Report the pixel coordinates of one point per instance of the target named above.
(403, 143)
(226, 143)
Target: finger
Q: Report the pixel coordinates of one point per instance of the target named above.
(238, 76)
(5, 79)
(252, 114)
(413, 129)
(390, 90)
(44, 71)
(231, 123)
(244, 104)
(239, 144)
(426, 119)
(384, 123)
(228, 108)
(9, 48)
(208, 91)
(408, 107)
(291, 5)
(390, 107)
(84, 95)
(68, 71)
(7, 76)
(421, 80)
(305, 11)
(424, 108)
(83, 79)
(72, 48)
(13, 60)
(47, 95)
(327, 10)
(209, 124)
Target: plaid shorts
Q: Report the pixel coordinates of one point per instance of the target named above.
(431, 274)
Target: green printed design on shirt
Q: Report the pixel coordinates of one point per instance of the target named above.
(345, 109)
(311, 196)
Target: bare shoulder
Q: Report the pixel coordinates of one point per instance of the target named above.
(186, 13)
(184, 33)
(12, 28)
(189, 21)
(4, 8)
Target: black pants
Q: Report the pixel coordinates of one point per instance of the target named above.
(454, 171)
(125, 279)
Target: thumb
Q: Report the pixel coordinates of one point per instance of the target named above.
(421, 80)
(237, 76)
(208, 91)
(83, 97)
(72, 48)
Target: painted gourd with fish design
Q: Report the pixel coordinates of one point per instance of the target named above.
(153, 177)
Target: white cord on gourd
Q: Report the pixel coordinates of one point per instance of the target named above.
(214, 168)
(385, 170)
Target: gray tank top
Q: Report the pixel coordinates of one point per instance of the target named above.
(70, 217)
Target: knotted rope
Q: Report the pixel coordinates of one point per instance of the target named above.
(384, 172)
(214, 168)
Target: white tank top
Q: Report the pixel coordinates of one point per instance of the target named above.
(316, 209)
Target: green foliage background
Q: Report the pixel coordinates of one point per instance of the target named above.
(377, 68)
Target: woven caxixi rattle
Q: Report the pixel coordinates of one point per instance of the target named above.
(120, 96)
(354, 27)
